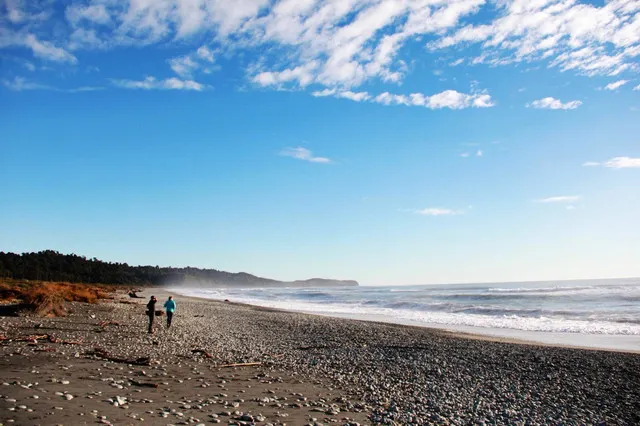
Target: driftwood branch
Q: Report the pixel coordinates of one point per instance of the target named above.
(104, 324)
(33, 339)
(241, 364)
(203, 352)
(101, 353)
(143, 385)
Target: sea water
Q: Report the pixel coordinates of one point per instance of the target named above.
(592, 313)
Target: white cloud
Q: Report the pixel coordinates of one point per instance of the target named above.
(342, 43)
(199, 61)
(447, 99)
(95, 13)
(478, 153)
(587, 38)
(183, 65)
(637, 87)
(615, 85)
(304, 154)
(19, 84)
(344, 94)
(151, 83)
(438, 211)
(303, 75)
(552, 103)
(622, 163)
(205, 54)
(21, 12)
(86, 89)
(47, 50)
(560, 199)
(616, 163)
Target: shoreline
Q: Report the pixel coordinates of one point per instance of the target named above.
(226, 362)
(467, 332)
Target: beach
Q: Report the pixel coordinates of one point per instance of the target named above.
(230, 363)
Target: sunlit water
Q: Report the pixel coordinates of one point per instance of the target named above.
(594, 313)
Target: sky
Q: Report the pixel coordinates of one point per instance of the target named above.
(386, 141)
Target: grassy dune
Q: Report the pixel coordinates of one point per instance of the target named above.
(47, 298)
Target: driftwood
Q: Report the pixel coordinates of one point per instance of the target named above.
(102, 353)
(241, 364)
(35, 337)
(104, 324)
(203, 352)
(143, 385)
(307, 348)
(134, 295)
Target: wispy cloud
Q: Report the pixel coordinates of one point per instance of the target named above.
(151, 83)
(448, 99)
(637, 87)
(20, 83)
(616, 163)
(552, 103)
(616, 84)
(438, 211)
(47, 50)
(201, 60)
(304, 154)
(587, 38)
(343, 44)
(345, 94)
(560, 199)
(86, 89)
(478, 153)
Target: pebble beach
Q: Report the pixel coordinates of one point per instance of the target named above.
(222, 362)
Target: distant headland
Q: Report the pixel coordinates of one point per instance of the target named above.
(50, 265)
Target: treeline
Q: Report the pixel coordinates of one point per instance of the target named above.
(49, 265)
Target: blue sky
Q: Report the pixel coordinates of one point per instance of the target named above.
(392, 142)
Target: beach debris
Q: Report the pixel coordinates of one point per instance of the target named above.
(33, 339)
(203, 352)
(134, 295)
(104, 324)
(240, 364)
(102, 353)
(143, 384)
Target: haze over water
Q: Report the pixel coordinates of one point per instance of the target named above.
(593, 313)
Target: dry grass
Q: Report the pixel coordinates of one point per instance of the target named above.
(47, 298)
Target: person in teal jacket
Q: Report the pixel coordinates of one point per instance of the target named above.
(170, 306)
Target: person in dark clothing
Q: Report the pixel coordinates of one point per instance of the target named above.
(151, 311)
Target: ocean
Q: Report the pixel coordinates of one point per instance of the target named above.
(592, 313)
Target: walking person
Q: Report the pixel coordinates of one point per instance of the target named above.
(151, 312)
(170, 306)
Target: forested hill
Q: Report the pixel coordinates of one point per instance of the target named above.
(50, 265)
